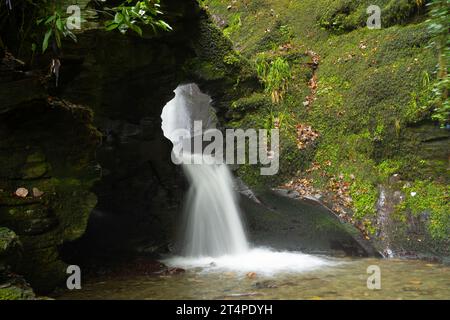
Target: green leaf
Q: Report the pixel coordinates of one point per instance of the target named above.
(50, 19)
(59, 24)
(46, 38)
(111, 26)
(136, 29)
(165, 25)
(58, 38)
(71, 35)
(118, 18)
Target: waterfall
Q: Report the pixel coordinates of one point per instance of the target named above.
(214, 226)
(214, 237)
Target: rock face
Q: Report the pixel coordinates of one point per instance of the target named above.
(405, 234)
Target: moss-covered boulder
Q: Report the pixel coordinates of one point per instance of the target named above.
(279, 221)
(47, 168)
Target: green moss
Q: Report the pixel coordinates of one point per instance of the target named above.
(364, 196)
(34, 170)
(234, 25)
(256, 101)
(9, 242)
(37, 156)
(389, 167)
(15, 293)
(231, 59)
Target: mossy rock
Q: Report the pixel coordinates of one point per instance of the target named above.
(10, 248)
(59, 164)
(290, 224)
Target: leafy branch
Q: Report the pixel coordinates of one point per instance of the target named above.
(57, 28)
(128, 16)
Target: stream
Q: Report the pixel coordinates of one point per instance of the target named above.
(345, 278)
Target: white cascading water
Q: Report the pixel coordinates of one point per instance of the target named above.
(214, 238)
(214, 226)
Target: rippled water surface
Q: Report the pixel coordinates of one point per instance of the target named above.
(341, 279)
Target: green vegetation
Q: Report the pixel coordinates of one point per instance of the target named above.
(56, 29)
(130, 14)
(51, 19)
(233, 26)
(438, 27)
(364, 196)
(433, 199)
(369, 92)
(274, 75)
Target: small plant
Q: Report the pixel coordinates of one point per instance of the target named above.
(57, 29)
(274, 75)
(128, 15)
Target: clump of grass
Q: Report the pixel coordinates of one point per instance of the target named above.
(274, 75)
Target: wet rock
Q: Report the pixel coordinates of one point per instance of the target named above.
(408, 237)
(301, 225)
(174, 271)
(396, 178)
(243, 189)
(288, 193)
